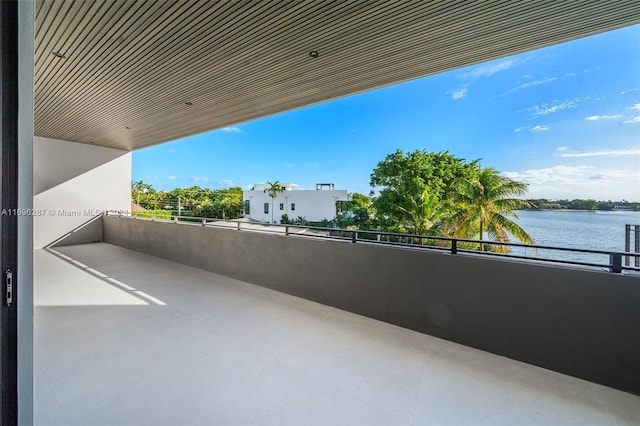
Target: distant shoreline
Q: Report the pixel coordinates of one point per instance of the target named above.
(581, 210)
(579, 204)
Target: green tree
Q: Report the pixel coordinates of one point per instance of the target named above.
(405, 179)
(539, 203)
(202, 202)
(233, 202)
(359, 201)
(423, 214)
(220, 203)
(274, 188)
(483, 204)
(360, 207)
(583, 204)
(144, 195)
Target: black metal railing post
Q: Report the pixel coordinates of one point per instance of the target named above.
(615, 263)
(627, 242)
(636, 243)
(354, 236)
(454, 246)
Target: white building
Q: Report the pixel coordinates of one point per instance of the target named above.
(313, 205)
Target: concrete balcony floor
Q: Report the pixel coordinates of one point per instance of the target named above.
(122, 338)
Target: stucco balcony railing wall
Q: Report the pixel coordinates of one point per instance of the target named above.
(575, 321)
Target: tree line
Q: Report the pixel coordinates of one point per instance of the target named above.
(581, 204)
(193, 201)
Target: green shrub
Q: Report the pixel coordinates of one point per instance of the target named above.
(150, 214)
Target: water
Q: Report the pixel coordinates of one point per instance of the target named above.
(598, 230)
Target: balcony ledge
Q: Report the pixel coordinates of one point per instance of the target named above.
(127, 338)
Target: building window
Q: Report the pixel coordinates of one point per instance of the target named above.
(266, 208)
(247, 204)
(281, 206)
(293, 206)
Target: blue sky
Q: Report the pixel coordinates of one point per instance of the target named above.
(564, 119)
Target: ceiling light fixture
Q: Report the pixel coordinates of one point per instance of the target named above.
(314, 54)
(58, 55)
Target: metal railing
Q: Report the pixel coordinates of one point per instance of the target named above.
(630, 230)
(614, 259)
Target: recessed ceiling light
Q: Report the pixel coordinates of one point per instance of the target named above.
(188, 103)
(59, 55)
(314, 54)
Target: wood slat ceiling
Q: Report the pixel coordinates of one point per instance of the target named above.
(131, 67)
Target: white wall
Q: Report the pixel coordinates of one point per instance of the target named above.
(313, 205)
(74, 182)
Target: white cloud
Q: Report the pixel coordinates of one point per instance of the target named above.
(636, 107)
(487, 70)
(562, 148)
(549, 175)
(537, 129)
(232, 129)
(610, 153)
(171, 151)
(171, 177)
(481, 71)
(634, 120)
(537, 82)
(598, 176)
(550, 108)
(579, 182)
(534, 129)
(458, 94)
(532, 84)
(635, 89)
(201, 179)
(602, 117)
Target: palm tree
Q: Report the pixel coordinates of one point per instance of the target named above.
(483, 204)
(274, 189)
(423, 213)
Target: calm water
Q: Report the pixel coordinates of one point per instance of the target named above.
(576, 229)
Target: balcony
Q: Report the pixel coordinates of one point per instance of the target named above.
(127, 338)
(123, 337)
